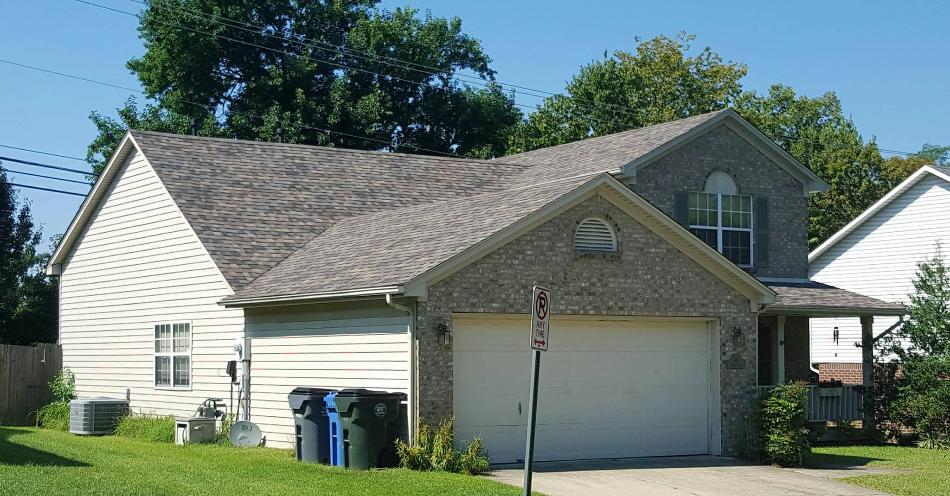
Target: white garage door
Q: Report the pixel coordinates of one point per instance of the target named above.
(609, 389)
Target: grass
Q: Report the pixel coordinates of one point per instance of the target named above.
(44, 462)
(147, 428)
(921, 472)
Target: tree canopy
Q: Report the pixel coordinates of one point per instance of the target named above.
(659, 82)
(376, 79)
(27, 295)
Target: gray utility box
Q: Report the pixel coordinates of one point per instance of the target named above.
(90, 416)
(190, 430)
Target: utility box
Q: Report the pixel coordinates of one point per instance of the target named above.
(189, 430)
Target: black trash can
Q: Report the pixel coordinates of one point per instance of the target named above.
(311, 424)
(368, 431)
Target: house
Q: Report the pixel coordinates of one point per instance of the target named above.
(676, 255)
(876, 254)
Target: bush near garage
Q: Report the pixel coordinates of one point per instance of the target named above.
(434, 449)
(778, 430)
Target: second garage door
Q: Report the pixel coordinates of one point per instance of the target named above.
(609, 388)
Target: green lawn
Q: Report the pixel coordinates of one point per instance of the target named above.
(43, 462)
(922, 472)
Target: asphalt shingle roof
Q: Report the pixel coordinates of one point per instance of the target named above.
(610, 152)
(252, 203)
(813, 296)
(391, 247)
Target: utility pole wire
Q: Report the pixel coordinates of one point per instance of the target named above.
(47, 166)
(51, 190)
(11, 171)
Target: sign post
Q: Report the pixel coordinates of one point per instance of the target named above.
(540, 328)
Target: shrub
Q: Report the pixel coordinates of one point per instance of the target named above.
(778, 428)
(155, 428)
(56, 414)
(434, 449)
(223, 436)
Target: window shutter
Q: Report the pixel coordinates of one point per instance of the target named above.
(760, 226)
(681, 208)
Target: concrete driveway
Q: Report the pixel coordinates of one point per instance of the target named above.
(678, 476)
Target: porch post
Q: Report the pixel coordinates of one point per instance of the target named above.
(867, 370)
(780, 353)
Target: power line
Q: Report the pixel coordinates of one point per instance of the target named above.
(51, 190)
(38, 151)
(234, 112)
(304, 56)
(258, 29)
(11, 171)
(37, 164)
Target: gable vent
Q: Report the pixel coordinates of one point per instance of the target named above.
(595, 235)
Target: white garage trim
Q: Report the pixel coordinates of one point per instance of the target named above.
(488, 381)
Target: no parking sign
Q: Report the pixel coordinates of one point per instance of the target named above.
(540, 318)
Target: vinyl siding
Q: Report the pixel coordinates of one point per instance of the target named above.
(138, 264)
(333, 346)
(879, 259)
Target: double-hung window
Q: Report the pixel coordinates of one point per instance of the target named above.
(173, 355)
(723, 219)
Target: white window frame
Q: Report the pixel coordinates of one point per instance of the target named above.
(720, 229)
(171, 354)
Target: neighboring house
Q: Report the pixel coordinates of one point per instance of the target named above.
(876, 254)
(676, 254)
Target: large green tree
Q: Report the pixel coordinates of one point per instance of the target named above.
(379, 79)
(27, 296)
(661, 81)
(817, 133)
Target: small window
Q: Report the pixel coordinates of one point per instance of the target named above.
(173, 355)
(595, 235)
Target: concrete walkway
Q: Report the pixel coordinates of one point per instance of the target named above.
(678, 476)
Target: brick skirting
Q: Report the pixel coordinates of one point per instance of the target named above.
(847, 373)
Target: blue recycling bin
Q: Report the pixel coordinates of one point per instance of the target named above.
(335, 431)
(311, 424)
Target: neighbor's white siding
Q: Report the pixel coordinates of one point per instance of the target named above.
(879, 259)
(331, 346)
(138, 264)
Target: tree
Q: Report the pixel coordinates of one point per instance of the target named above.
(27, 296)
(920, 392)
(660, 82)
(934, 154)
(249, 68)
(816, 132)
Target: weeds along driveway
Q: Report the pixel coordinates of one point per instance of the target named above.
(679, 476)
(45, 462)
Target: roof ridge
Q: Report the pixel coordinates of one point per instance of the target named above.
(589, 140)
(356, 151)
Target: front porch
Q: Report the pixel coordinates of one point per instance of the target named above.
(784, 353)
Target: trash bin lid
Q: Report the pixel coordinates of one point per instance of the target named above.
(369, 393)
(301, 394)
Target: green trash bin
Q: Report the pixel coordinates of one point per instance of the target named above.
(368, 431)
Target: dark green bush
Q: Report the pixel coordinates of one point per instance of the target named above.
(155, 428)
(56, 414)
(434, 449)
(778, 429)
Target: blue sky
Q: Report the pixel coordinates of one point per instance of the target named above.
(885, 60)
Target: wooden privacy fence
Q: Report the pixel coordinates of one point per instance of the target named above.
(25, 372)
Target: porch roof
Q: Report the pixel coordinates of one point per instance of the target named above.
(813, 298)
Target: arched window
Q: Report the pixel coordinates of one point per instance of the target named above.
(720, 182)
(722, 218)
(595, 235)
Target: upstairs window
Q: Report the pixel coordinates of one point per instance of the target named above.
(595, 235)
(173, 355)
(723, 218)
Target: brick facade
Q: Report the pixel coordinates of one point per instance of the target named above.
(686, 169)
(847, 373)
(647, 278)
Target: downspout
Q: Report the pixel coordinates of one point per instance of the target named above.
(411, 403)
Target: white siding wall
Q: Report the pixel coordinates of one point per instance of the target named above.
(330, 346)
(139, 264)
(879, 259)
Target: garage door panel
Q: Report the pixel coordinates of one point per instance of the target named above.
(608, 388)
